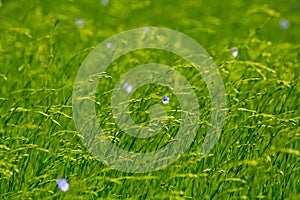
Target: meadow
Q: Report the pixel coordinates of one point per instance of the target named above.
(255, 46)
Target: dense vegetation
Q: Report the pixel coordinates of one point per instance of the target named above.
(42, 45)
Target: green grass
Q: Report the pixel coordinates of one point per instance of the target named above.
(41, 50)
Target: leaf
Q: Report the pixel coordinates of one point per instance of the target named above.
(235, 180)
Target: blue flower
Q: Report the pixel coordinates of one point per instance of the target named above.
(165, 99)
(128, 87)
(284, 24)
(62, 184)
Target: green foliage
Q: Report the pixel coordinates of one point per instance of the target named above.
(41, 49)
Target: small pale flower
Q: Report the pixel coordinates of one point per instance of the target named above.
(165, 99)
(104, 2)
(146, 29)
(79, 22)
(234, 52)
(284, 24)
(128, 87)
(109, 46)
(125, 85)
(62, 184)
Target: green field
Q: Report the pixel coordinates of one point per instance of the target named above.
(42, 46)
